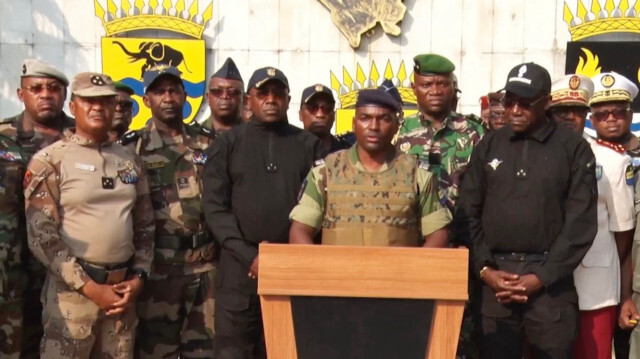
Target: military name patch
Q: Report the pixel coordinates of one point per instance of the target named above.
(10, 156)
(628, 175)
(85, 167)
(598, 172)
(152, 165)
(199, 158)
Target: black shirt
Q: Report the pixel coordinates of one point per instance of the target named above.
(251, 180)
(532, 194)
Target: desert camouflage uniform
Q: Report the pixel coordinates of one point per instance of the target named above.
(176, 307)
(67, 202)
(29, 143)
(447, 150)
(13, 276)
(401, 195)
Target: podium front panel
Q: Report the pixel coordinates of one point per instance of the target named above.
(361, 328)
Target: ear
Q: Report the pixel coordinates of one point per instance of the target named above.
(20, 93)
(72, 108)
(146, 101)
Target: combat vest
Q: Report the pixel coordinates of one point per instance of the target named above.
(371, 209)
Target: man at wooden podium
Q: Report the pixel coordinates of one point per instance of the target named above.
(371, 194)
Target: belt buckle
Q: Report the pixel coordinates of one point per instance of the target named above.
(520, 257)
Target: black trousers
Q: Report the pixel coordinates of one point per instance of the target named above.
(238, 325)
(549, 320)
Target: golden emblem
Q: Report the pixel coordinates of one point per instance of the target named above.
(607, 80)
(271, 71)
(319, 88)
(574, 82)
(405, 146)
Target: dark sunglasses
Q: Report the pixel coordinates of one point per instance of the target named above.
(219, 92)
(508, 102)
(314, 107)
(618, 114)
(563, 111)
(38, 88)
(127, 105)
(276, 92)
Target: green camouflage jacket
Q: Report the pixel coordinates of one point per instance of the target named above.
(184, 244)
(447, 149)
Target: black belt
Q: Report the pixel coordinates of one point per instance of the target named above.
(183, 242)
(109, 274)
(521, 257)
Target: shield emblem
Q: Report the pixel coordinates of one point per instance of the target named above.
(126, 60)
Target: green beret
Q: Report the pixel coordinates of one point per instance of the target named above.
(432, 64)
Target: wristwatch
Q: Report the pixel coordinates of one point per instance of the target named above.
(140, 273)
(484, 269)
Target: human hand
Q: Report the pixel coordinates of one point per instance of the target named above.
(629, 316)
(102, 294)
(253, 270)
(129, 289)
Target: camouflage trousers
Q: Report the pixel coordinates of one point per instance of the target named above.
(176, 316)
(10, 329)
(75, 327)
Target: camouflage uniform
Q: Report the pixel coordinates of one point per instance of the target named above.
(67, 200)
(398, 203)
(13, 276)
(176, 307)
(447, 149)
(30, 326)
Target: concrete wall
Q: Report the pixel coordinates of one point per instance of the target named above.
(483, 38)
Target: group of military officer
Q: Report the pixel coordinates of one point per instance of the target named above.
(146, 241)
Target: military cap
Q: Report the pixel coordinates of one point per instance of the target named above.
(611, 86)
(152, 74)
(228, 71)
(495, 99)
(390, 88)
(266, 74)
(528, 81)
(571, 90)
(317, 90)
(121, 86)
(92, 84)
(484, 102)
(39, 68)
(432, 64)
(377, 97)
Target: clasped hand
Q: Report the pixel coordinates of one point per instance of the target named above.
(510, 287)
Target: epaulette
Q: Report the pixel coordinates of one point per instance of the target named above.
(348, 137)
(201, 130)
(317, 163)
(129, 137)
(614, 146)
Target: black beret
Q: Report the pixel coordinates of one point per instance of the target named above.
(377, 97)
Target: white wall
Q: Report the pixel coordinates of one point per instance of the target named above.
(484, 38)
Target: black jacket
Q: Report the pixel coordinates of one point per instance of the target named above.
(251, 180)
(532, 194)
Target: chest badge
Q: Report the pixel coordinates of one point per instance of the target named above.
(495, 163)
(598, 172)
(199, 158)
(10, 156)
(128, 174)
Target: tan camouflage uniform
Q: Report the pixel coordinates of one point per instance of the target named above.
(387, 190)
(30, 325)
(13, 276)
(72, 216)
(176, 307)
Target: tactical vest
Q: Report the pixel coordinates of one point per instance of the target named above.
(371, 209)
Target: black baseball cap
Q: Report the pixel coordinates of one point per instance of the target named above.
(150, 76)
(266, 74)
(317, 90)
(528, 81)
(377, 97)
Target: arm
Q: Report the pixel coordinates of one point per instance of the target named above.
(580, 225)
(300, 233)
(434, 217)
(216, 198)
(628, 308)
(306, 216)
(143, 223)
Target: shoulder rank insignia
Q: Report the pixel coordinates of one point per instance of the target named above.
(199, 158)
(598, 172)
(10, 156)
(317, 163)
(423, 164)
(129, 137)
(614, 146)
(628, 175)
(128, 174)
(198, 129)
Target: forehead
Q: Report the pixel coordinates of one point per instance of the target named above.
(31, 80)
(225, 83)
(122, 94)
(431, 78)
(320, 99)
(166, 81)
(609, 105)
(373, 110)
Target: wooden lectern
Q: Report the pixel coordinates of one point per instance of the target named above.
(378, 279)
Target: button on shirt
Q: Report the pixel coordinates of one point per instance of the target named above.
(534, 194)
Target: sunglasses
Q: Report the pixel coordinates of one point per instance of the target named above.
(509, 102)
(314, 107)
(126, 105)
(564, 111)
(276, 92)
(219, 92)
(618, 114)
(38, 88)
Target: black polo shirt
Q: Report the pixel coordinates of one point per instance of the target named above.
(532, 193)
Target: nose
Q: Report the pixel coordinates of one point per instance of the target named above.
(374, 125)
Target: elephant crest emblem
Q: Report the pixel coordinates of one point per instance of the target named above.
(126, 59)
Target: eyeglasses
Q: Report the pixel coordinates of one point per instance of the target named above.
(563, 111)
(314, 107)
(274, 91)
(218, 92)
(125, 105)
(36, 89)
(509, 102)
(618, 114)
